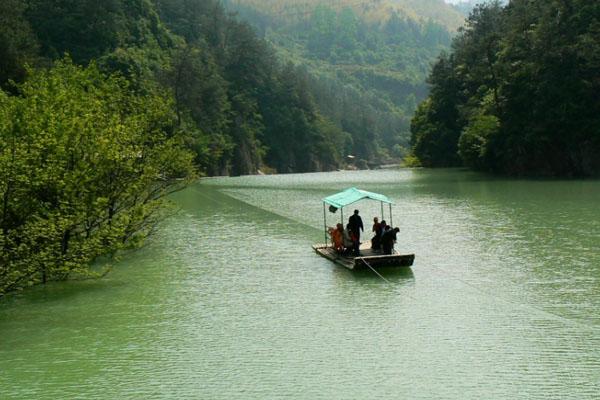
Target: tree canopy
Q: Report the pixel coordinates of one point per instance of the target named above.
(84, 163)
(364, 64)
(518, 94)
(107, 106)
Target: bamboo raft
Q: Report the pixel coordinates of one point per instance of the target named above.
(368, 257)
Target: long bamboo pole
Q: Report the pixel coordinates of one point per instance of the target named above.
(374, 270)
(325, 222)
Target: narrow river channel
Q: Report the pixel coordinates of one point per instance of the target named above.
(229, 301)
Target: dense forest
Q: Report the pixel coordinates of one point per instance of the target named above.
(519, 92)
(371, 11)
(108, 106)
(366, 62)
(465, 7)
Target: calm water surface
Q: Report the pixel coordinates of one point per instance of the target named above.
(228, 301)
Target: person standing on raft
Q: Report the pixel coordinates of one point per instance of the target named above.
(388, 239)
(356, 225)
(375, 241)
(337, 237)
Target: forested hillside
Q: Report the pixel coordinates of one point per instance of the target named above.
(373, 11)
(239, 104)
(518, 93)
(108, 106)
(366, 61)
(465, 7)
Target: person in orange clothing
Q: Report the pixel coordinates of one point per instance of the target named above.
(337, 237)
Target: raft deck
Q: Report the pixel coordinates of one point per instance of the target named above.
(368, 256)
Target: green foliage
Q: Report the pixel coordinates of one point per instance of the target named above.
(221, 75)
(201, 104)
(435, 124)
(373, 11)
(297, 136)
(156, 89)
(523, 98)
(84, 163)
(248, 109)
(89, 29)
(474, 141)
(18, 45)
(366, 75)
(68, 26)
(410, 161)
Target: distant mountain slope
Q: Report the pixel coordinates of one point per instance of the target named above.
(366, 60)
(437, 10)
(466, 6)
(371, 10)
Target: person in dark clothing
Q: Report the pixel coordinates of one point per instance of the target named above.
(376, 239)
(388, 239)
(356, 225)
(348, 242)
(382, 226)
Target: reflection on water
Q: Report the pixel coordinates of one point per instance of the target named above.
(229, 300)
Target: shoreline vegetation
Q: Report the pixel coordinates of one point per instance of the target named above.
(518, 93)
(106, 107)
(85, 165)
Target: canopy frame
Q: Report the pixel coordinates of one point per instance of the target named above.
(348, 197)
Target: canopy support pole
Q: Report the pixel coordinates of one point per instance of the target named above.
(382, 217)
(342, 211)
(391, 219)
(325, 223)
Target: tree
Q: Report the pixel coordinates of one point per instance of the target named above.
(473, 145)
(201, 104)
(322, 33)
(18, 45)
(437, 123)
(523, 93)
(84, 164)
(84, 28)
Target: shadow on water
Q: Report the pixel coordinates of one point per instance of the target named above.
(202, 201)
(365, 289)
(59, 292)
(402, 275)
(395, 276)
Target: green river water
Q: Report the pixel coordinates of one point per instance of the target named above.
(229, 301)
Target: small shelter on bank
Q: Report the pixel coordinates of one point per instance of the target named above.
(369, 258)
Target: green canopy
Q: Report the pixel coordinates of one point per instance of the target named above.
(353, 195)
